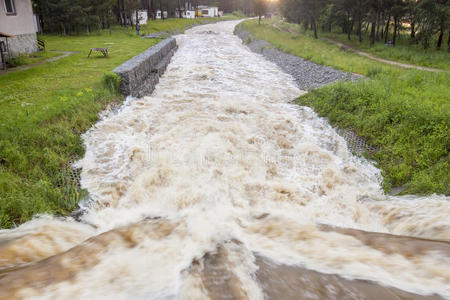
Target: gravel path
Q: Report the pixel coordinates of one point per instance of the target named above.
(307, 75)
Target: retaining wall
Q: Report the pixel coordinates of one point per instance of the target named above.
(140, 74)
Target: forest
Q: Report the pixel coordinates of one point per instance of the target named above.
(426, 21)
(76, 16)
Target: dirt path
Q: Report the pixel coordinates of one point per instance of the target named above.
(52, 59)
(382, 60)
(368, 55)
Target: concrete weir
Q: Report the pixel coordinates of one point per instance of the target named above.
(141, 73)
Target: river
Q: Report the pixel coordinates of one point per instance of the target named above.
(216, 187)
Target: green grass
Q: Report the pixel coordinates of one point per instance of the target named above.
(45, 109)
(305, 46)
(404, 51)
(27, 59)
(404, 113)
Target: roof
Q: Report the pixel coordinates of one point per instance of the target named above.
(2, 34)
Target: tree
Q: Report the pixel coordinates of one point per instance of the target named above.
(306, 11)
(427, 19)
(68, 17)
(260, 9)
(374, 18)
(434, 16)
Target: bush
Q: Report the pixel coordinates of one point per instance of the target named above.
(238, 14)
(19, 60)
(112, 82)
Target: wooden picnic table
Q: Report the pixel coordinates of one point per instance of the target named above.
(104, 51)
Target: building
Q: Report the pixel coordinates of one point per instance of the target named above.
(142, 17)
(159, 15)
(189, 12)
(208, 11)
(185, 13)
(17, 21)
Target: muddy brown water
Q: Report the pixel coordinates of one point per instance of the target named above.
(216, 187)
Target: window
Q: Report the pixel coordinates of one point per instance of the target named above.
(205, 12)
(9, 7)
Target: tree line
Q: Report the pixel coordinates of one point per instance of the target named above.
(77, 16)
(382, 20)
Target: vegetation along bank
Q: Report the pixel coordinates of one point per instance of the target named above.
(44, 111)
(402, 113)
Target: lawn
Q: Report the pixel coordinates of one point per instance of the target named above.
(404, 51)
(403, 113)
(33, 58)
(45, 109)
(305, 46)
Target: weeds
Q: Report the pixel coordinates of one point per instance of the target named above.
(26, 59)
(112, 82)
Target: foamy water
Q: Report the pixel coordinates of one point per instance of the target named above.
(218, 158)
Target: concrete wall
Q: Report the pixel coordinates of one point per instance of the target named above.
(24, 43)
(141, 73)
(21, 25)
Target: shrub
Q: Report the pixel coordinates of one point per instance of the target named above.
(112, 82)
(238, 14)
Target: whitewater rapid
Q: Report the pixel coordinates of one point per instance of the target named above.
(217, 160)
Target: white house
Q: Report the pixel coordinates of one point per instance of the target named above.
(159, 15)
(186, 14)
(141, 16)
(208, 11)
(17, 23)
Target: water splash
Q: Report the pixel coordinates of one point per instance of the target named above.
(188, 184)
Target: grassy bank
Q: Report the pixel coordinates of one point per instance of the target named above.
(404, 51)
(404, 113)
(28, 59)
(45, 109)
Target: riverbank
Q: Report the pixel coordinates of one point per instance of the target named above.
(404, 114)
(307, 75)
(263, 198)
(405, 51)
(44, 111)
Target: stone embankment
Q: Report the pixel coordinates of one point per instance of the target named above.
(307, 75)
(140, 75)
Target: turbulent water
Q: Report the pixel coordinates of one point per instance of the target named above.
(215, 187)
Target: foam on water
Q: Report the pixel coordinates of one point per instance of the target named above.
(217, 154)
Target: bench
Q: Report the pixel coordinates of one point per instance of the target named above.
(104, 51)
